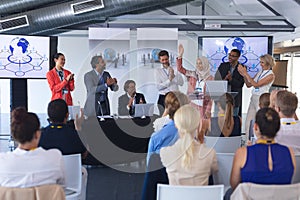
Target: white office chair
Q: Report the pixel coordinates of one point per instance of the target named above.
(296, 176)
(223, 144)
(73, 176)
(248, 191)
(223, 175)
(167, 192)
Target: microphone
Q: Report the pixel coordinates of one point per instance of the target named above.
(99, 106)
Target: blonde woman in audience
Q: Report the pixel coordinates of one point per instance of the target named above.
(261, 83)
(225, 124)
(265, 162)
(29, 165)
(188, 161)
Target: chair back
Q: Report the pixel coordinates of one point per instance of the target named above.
(167, 192)
(222, 176)
(49, 192)
(223, 144)
(296, 176)
(73, 175)
(247, 191)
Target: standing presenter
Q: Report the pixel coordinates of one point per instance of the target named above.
(60, 80)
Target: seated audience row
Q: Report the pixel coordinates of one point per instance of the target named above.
(29, 165)
(265, 162)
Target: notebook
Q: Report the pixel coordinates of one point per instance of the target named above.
(144, 110)
(216, 88)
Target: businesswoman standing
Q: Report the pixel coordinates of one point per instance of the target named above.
(261, 83)
(60, 80)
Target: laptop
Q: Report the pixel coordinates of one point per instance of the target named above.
(216, 88)
(144, 110)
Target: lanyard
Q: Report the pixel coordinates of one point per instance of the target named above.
(262, 75)
(199, 81)
(263, 141)
(288, 123)
(164, 69)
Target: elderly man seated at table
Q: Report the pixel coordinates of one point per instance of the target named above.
(129, 99)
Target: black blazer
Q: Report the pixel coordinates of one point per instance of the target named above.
(235, 85)
(123, 102)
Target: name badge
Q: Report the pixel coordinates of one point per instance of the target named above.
(65, 91)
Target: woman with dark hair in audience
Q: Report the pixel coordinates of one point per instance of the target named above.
(188, 161)
(265, 162)
(168, 135)
(29, 165)
(60, 80)
(225, 124)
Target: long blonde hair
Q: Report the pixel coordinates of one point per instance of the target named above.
(187, 121)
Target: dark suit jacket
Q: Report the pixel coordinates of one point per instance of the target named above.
(94, 90)
(235, 85)
(123, 102)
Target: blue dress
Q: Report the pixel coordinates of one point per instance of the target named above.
(256, 169)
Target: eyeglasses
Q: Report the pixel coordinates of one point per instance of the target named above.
(230, 55)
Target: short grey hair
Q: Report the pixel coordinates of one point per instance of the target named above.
(95, 61)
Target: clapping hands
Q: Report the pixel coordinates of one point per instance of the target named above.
(111, 81)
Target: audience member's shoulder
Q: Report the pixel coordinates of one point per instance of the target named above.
(167, 153)
(206, 150)
(52, 152)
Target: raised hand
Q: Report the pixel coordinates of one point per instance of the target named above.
(180, 50)
(130, 102)
(242, 70)
(110, 81)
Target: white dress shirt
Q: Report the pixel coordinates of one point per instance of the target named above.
(289, 133)
(164, 85)
(22, 168)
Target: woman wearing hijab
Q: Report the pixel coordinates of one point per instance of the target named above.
(197, 79)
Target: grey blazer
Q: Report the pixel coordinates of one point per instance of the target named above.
(91, 81)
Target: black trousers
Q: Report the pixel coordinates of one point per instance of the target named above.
(161, 103)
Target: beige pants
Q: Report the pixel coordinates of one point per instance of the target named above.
(252, 109)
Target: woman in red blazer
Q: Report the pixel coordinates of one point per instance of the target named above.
(61, 81)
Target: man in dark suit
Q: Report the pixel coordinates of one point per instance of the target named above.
(129, 99)
(97, 82)
(228, 71)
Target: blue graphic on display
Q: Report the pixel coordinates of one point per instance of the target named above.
(248, 56)
(19, 58)
(234, 43)
(18, 48)
(109, 54)
(154, 54)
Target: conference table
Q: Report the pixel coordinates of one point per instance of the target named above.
(117, 140)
